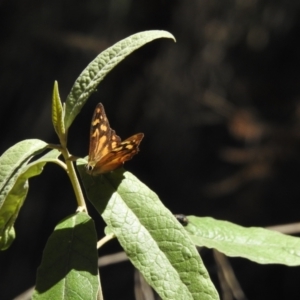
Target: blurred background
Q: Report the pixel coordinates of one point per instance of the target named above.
(220, 110)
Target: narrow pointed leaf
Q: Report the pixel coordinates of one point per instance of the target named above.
(95, 72)
(153, 239)
(69, 267)
(257, 244)
(57, 112)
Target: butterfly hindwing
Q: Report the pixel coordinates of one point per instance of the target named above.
(116, 158)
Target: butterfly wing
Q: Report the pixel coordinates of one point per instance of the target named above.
(118, 155)
(107, 152)
(102, 137)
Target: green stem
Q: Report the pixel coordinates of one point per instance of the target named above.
(105, 240)
(100, 295)
(74, 180)
(58, 162)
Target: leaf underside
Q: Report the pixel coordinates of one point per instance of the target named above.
(153, 239)
(257, 244)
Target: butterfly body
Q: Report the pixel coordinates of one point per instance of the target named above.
(107, 152)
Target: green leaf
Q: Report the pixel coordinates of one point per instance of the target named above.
(95, 72)
(153, 239)
(13, 159)
(7, 238)
(14, 175)
(69, 267)
(257, 244)
(57, 113)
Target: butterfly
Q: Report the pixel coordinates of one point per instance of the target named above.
(107, 152)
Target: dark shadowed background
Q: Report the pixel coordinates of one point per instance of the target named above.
(220, 110)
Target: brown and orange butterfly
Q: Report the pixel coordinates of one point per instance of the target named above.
(107, 151)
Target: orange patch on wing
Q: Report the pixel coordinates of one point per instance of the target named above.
(103, 127)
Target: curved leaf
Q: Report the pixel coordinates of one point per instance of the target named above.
(14, 176)
(153, 239)
(257, 244)
(95, 72)
(69, 267)
(12, 161)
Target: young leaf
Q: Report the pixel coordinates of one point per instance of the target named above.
(257, 244)
(153, 239)
(57, 113)
(69, 267)
(14, 176)
(95, 72)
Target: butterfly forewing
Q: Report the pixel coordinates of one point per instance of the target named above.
(107, 152)
(100, 135)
